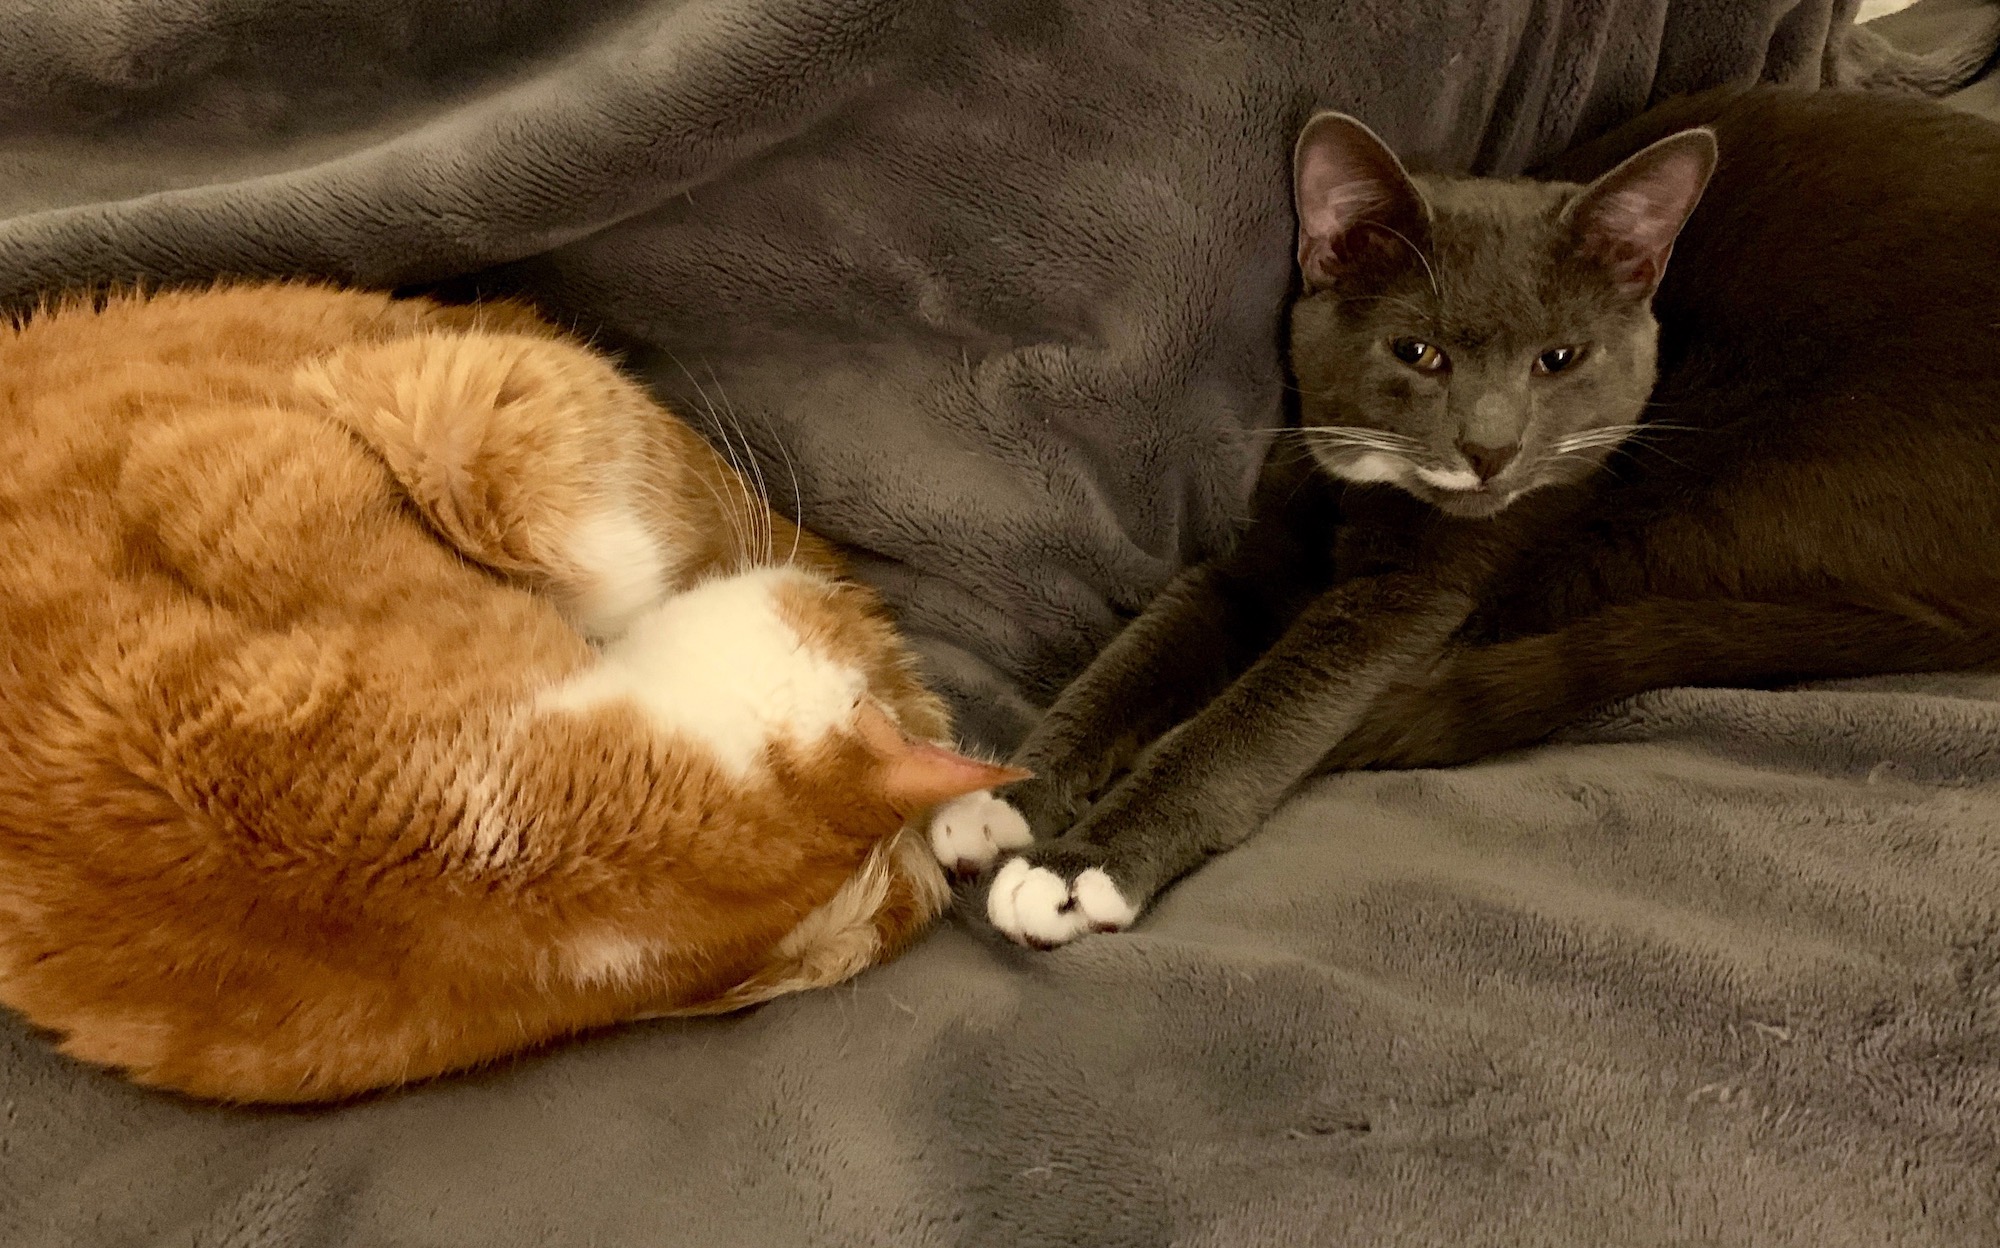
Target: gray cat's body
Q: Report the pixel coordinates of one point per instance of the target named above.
(1444, 564)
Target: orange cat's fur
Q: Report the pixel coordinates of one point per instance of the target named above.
(388, 687)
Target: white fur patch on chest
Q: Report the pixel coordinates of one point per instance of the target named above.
(721, 666)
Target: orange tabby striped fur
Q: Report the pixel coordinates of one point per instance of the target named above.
(350, 730)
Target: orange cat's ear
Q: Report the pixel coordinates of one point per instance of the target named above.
(916, 774)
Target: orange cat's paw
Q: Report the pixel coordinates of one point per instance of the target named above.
(968, 833)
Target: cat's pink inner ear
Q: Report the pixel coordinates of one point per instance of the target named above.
(1344, 178)
(1629, 218)
(916, 774)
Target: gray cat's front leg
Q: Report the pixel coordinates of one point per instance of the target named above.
(1208, 783)
(1184, 648)
(1158, 671)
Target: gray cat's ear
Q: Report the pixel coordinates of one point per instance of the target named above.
(1628, 219)
(1352, 196)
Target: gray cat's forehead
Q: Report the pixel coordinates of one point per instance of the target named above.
(1502, 202)
(1493, 253)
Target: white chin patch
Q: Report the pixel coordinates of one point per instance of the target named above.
(721, 667)
(1454, 479)
(1374, 466)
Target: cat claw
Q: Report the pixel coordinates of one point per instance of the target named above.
(1034, 906)
(969, 832)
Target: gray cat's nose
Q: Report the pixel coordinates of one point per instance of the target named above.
(1488, 461)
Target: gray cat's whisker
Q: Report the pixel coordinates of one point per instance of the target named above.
(1362, 430)
(1642, 427)
(1594, 439)
(1361, 433)
(1569, 445)
(1343, 445)
(1334, 435)
(1631, 447)
(1344, 435)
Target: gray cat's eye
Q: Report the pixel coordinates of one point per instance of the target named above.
(1418, 354)
(1556, 359)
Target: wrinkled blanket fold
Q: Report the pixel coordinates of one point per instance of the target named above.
(989, 291)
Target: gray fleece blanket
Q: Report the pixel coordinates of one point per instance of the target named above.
(990, 291)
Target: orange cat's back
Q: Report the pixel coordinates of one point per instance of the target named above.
(163, 482)
(311, 776)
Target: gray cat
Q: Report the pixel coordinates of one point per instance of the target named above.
(1448, 560)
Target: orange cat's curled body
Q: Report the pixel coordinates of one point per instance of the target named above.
(386, 687)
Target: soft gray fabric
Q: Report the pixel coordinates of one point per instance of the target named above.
(1002, 278)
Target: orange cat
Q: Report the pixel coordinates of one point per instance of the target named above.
(388, 687)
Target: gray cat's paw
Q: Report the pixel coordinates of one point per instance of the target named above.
(1046, 906)
(968, 833)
